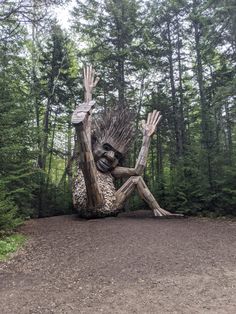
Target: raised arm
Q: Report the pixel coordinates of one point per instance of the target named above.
(81, 119)
(149, 128)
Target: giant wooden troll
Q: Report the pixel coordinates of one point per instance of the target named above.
(102, 146)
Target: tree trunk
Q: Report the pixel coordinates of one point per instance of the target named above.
(178, 139)
(181, 94)
(120, 56)
(229, 133)
(205, 112)
(69, 162)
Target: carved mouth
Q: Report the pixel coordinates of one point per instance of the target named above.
(103, 165)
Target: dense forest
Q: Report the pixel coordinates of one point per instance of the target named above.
(178, 57)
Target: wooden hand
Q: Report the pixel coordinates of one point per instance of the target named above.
(81, 113)
(90, 82)
(150, 126)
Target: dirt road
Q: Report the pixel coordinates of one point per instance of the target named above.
(130, 264)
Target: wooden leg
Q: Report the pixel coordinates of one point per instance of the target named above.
(137, 182)
(147, 196)
(125, 191)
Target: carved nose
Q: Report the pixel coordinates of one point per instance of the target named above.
(110, 155)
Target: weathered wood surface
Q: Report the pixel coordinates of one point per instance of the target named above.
(137, 182)
(106, 185)
(94, 196)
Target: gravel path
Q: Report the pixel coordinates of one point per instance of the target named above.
(130, 264)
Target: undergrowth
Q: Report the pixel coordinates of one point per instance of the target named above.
(10, 244)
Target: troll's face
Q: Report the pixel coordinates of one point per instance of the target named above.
(106, 157)
(111, 138)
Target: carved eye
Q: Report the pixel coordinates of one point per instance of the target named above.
(107, 147)
(118, 155)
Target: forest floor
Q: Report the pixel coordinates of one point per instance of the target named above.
(130, 264)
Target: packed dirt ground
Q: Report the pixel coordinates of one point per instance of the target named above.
(130, 264)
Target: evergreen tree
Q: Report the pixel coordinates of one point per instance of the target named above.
(111, 31)
(17, 173)
(58, 87)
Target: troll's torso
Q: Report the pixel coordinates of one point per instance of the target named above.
(106, 185)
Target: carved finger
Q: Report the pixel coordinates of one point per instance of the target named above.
(153, 117)
(143, 123)
(158, 120)
(85, 76)
(93, 74)
(92, 71)
(149, 118)
(88, 75)
(96, 81)
(157, 113)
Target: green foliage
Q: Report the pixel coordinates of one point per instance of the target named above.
(56, 200)
(174, 56)
(9, 212)
(187, 191)
(36, 100)
(224, 198)
(176, 51)
(57, 68)
(10, 244)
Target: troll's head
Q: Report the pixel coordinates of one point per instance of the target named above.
(112, 134)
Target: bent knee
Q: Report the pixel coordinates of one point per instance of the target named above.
(136, 179)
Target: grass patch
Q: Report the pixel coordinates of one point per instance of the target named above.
(10, 244)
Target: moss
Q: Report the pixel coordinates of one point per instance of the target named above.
(10, 244)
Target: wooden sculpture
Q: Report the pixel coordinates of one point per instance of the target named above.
(101, 151)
